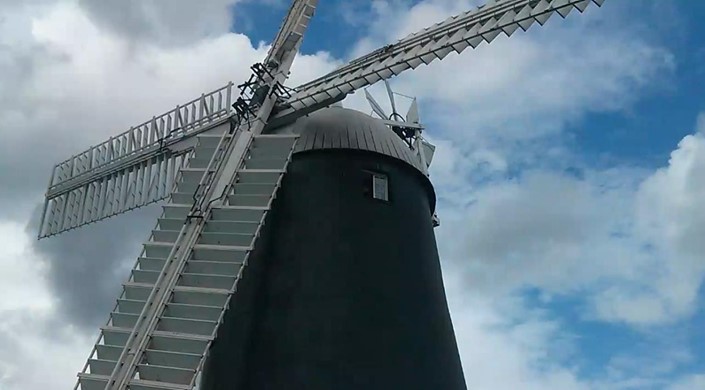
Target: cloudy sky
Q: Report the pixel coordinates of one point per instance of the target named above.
(569, 171)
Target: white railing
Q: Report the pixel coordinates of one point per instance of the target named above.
(179, 122)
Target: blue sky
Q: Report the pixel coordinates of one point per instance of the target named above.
(327, 34)
(569, 173)
(638, 135)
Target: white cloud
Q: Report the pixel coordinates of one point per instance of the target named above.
(499, 353)
(22, 280)
(532, 231)
(670, 216)
(670, 221)
(37, 352)
(632, 251)
(691, 382)
(164, 22)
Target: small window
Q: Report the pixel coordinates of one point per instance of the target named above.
(380, 189)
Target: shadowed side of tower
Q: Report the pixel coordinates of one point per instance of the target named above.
(344, 290)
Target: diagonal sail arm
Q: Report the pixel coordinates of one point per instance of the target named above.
(292, 29)
(456, 33)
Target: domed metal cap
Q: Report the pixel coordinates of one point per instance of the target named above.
(342, 128)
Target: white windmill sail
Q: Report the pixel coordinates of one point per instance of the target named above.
(132, 169)
(455, 34)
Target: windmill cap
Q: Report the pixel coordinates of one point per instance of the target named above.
(343, 128)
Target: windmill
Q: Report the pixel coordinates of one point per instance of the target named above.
(296, 247)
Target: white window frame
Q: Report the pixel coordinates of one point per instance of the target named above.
(380, 187)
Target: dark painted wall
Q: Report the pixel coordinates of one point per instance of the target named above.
(343, 291)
